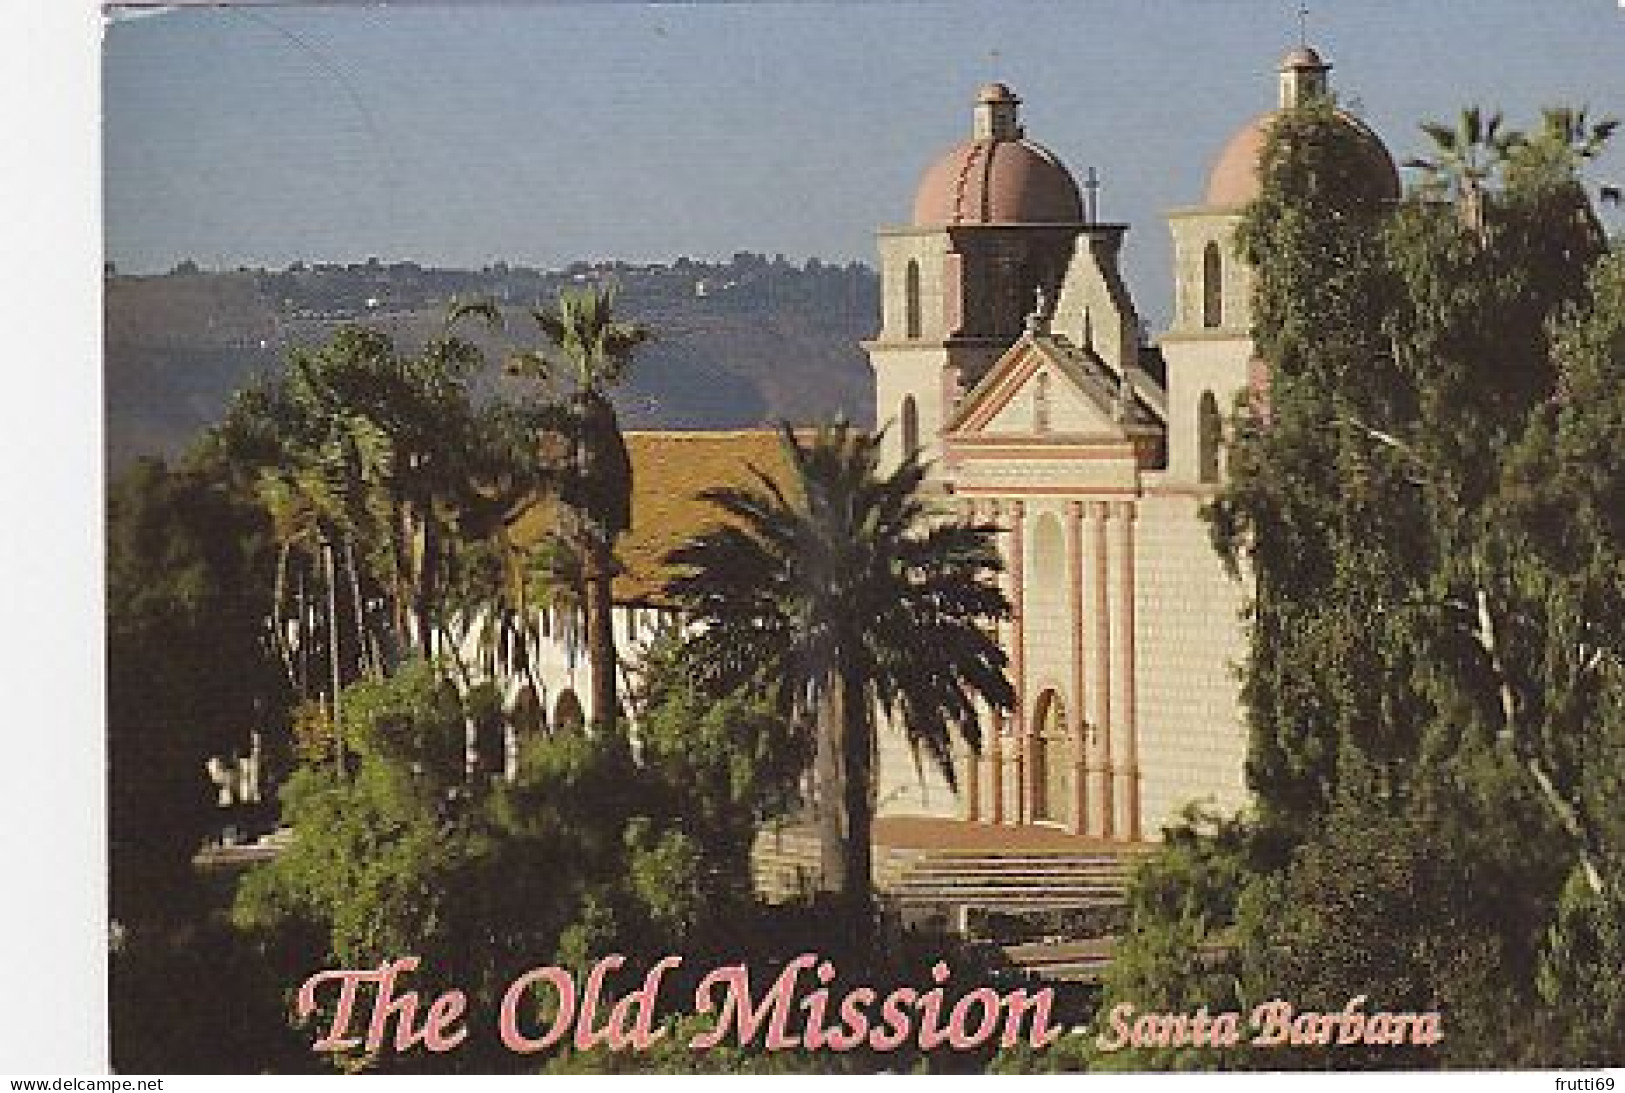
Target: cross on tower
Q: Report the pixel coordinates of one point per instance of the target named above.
(1303, 25)
(1091, 196)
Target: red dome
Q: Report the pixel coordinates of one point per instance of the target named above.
(997, 182)
(1234, 179)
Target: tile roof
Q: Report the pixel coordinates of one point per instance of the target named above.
(669, 470)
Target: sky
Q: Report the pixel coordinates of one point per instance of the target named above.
(544, 133)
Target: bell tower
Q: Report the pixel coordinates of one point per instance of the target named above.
(994, 225)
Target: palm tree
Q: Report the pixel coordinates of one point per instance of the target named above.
(1552, 158)
(1465, 157)
(845, 597)
(588, 354)
(376, 466)
(1573, 131)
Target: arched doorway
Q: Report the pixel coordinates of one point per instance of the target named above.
(1051, 762)
(568, 713)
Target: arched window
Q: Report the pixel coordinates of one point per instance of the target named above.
(910, 416)
(1212, 286)
(1041, 404)
(911, 299)
(1209, 431)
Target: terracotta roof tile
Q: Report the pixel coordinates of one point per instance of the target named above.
(669, 470)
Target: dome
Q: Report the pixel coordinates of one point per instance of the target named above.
(998, 176)
(997, 182)
(1234, 179)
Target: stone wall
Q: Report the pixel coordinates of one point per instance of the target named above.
(1193, 743)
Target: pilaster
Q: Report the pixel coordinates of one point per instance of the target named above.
(1079, 721)
(1105, 819)
(1127, 773)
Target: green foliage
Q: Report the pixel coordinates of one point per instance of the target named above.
(591, 849)
(1579, 974)
(1326, 518)
(193, 999)
(1408, 908)
(383, 478)
(672, 1055)
(725, 764)
(1563, 506)
(1178, 951)
(1430, 508)
(840, 596)
(182, 546)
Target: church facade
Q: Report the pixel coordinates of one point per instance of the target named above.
(1010, 355)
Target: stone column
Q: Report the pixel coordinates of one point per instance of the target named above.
(995, 763)
(970, 781)
(1105, 825)
(998, 753)
(1128, 768)
(971, 767)
(1016, 560)
(1079, 720)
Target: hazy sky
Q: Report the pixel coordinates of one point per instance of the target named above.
(537, 133)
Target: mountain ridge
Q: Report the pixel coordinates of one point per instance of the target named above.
(737, 344)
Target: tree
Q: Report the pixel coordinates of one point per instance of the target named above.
(1562, 511)
(1324, 520)
(181, 544)
(190, 676)
(1464, 159)
(1431, 686)
(588, 356)
(842, 595)
(383, 477)
(589, 850)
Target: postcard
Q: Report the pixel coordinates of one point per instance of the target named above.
(936, 538)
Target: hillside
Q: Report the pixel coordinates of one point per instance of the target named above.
(737, 344)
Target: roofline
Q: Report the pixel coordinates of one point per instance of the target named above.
(688, 434)
(1003, 225)
(1191, 212)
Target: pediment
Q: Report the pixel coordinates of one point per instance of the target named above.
(1043, 386)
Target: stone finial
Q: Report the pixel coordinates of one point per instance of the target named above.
(1038, 321)
(1125, 396)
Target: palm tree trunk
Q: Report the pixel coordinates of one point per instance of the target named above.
(279, 594)
(366, 659)
(471, 730)
(333, 649)
(427, 575)
(601, 638)
(302, 634)
(857, 860)
(828, 803)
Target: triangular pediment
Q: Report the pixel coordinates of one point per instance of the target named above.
(1045, 386)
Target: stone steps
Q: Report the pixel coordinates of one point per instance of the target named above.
(957, 881)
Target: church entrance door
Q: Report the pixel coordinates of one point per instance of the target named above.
(1051, 761)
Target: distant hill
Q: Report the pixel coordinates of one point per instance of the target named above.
(736, 344)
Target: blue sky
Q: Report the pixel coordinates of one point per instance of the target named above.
(542, 133)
